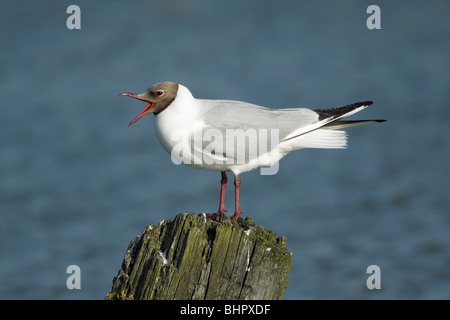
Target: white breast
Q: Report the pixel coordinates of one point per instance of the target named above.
(178, 120)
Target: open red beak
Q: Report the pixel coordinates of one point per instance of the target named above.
(144, 112)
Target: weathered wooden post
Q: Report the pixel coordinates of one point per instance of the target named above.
(192, 257)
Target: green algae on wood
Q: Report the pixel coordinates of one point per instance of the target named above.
(192, 257)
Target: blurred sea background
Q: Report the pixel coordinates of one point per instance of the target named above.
(77, 185)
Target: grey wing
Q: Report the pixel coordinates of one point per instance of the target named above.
(225, 114)
(235, 130)
(263, 128)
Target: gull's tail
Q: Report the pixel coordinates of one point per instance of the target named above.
(324, 133)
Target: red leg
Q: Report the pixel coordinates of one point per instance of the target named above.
(237, 186)
(223, 186)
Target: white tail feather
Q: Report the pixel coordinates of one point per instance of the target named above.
(320, 138)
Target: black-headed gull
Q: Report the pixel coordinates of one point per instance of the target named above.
(225, 135)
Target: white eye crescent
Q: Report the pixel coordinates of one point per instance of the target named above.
(160, 93)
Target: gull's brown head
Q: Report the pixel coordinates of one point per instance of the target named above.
(159, 96)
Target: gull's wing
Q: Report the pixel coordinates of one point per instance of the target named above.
(263, 129)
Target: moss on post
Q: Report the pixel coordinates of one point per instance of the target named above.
(192, 257)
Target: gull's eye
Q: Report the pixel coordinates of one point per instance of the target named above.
(160, 93)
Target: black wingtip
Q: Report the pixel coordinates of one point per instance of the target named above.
(338, 112)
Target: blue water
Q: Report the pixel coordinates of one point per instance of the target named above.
(76, 184)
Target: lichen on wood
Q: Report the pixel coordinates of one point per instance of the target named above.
(193, 257)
